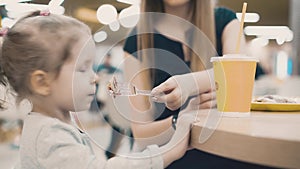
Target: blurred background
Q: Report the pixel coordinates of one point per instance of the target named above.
(277, 51)
(272, 30)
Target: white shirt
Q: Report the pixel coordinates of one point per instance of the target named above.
(48, 143)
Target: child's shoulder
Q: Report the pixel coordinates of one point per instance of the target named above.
(40, 127)
(38, 120)
(50, 142)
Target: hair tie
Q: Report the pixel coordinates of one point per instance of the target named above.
(45, 13)
(3, 31)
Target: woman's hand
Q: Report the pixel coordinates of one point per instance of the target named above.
(205, 100)
(175, 91)
(179, 142)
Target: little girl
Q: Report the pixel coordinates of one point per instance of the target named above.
(47, 59)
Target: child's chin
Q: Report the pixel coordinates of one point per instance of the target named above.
(83, 105)
(80, 108)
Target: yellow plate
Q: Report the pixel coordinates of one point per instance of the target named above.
(289, 107)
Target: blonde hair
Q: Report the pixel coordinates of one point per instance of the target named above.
(37, 42)
(202, 12)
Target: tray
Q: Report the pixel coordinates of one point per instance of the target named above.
(282, 107)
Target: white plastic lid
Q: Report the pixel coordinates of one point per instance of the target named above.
(234, 57)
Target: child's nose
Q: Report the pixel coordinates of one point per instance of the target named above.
(95, 79)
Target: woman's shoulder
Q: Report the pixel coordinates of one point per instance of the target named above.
(130, 45)
(224, 12)
(223, 16)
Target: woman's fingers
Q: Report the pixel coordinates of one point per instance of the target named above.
(168, 93)
(208, 105)
(207, 96)
(204, 101)
(204, 97)
(164, 87)
(161, 93)
(173, 105)
(172, 100)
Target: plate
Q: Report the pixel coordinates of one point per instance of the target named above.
(283, 107)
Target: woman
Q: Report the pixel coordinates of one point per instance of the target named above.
(220, 26)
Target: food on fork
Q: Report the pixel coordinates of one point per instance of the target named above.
(116, 88)
(275, 99)
(112, 87)
(119, 89)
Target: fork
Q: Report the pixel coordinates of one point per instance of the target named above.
(126, 89)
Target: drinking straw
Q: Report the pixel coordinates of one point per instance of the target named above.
(241, 28)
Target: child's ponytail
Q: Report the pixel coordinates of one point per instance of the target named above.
(3, 81)
(3, 32)
(2, 77)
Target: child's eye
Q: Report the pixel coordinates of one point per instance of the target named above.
(82, 69)
(85, 67)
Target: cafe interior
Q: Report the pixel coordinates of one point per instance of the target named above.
(267, 138)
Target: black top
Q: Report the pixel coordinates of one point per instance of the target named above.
(222, 17)
(167, 48)
(193, 159)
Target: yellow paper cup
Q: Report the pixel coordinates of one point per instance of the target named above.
(234, 78)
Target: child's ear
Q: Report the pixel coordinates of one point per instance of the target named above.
(40, 82)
